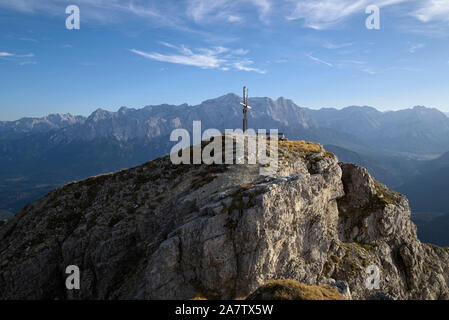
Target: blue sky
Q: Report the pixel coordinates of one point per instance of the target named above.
(135, 53)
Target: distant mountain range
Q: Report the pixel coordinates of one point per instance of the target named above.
(39, 154)
(29, 126)
(154, 121)
(416, 131)
(419, 130)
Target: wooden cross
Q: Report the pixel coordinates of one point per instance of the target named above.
(246, 107)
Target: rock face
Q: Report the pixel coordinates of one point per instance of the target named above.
(164, 231)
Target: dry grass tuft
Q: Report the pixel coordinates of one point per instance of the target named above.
(293, 290)
(302, 147)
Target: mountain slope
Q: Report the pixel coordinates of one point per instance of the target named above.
(417, 131)
(433, 229)
(162, 231)
(429, 189)
(36, 166)
(5, 216)
(392, 170)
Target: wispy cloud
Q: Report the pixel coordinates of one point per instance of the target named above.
(28, 39)
(432, 17)
(20, 59)
(319, 60)
(8, 54)
(383, 70)
(369, 70)
(352, 62)
(207, 10)
(414, 47)
(188, 58)
(245, 66)
(233, 18)
(432, 10)
(173, 14)
(240, 52)
(323, 14)
(207, 58)
(316, 14)
(103, 11)
(24, 63)
(333, 46)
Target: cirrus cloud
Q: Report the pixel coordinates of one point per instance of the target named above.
(319, 60)
(323, 14)
(206, 58)
(432, 10)
(20, 59)
(207, 10)
(316, 14)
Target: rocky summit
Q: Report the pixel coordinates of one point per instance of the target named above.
(165, 231)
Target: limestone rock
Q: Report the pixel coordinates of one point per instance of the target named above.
(161, 231)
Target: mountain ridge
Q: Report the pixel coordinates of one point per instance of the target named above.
(161, 231)
(233, 95)
(418, 130)
(29, 125)
(34, 158)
